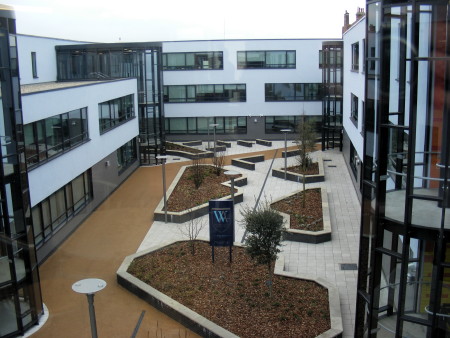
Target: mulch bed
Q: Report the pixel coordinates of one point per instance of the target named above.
(185, 196)
(307, 218)
(313, 169)
(235, 296)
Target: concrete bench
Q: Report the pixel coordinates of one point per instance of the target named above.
(264, 142)
(244, 143)
(192, 143)
(224, 143)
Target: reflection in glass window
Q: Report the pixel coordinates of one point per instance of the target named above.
(115, 112)
(193, 61)
(60, 207)
(274, 124)
(199, 125)
(293, 91)
(126, 155)
(54, 135)
(355, 56)
(266, 59)
(205, 93)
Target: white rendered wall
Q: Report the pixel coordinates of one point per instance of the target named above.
(45, 57)
(354, 83)
(47, 178)
(307, 71)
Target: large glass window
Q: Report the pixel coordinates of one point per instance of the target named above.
(293, 91)
(49, 137)
(59, 207)
(274, 124)
(199, 125)
(115, 112)
(126, 155)
(266, 59)
(205, 93)
(193, 61)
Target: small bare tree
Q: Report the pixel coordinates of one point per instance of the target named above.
(192, 228)
(306, 144)
(197, 171)
(218, 162)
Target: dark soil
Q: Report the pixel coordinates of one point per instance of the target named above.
(313, 169)
(303, 218)
(235, 296)
(186, 196)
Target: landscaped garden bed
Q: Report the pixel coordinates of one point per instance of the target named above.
(176, 149)
(311, 223)
(185, 201)
(296, 174)
(224, 299)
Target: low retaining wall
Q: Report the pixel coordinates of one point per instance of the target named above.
(291, 176)
(247, 162)
(244, 143)
(313, 237)
(224, 143)
(264, 142)
(192, 143)
(290, 153)
(190, 155)
(198, 211)
(200, 324)
(218, 148)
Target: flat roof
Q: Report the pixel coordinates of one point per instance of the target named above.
(34, 88)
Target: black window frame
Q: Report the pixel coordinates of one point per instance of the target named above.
(354, 102)
(39, 148)
(109, 118)
(199, 94)
(193, 125)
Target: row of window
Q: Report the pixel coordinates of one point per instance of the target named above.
(193, 61)
(234, 124)
(126, 155)
(237, 92)
(294, 91)
(275, 59)
(55, 210)
(116, 112)
(205, 93)
(201, 125)
(51, 136)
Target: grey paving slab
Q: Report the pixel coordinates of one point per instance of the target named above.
(318, 260)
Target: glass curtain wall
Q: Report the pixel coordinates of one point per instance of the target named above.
(330, 59)
(404, 263)
(107, 61)
(20, 294)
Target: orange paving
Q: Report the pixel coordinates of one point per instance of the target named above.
(96, 250)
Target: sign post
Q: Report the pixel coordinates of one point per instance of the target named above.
(221, 224)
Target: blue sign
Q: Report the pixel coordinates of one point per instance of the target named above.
(221, 223)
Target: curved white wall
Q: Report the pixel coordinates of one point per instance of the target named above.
(50, 176)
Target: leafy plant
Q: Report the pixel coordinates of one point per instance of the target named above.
(264, 227)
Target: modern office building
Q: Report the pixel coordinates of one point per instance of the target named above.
(404, 280)
(20, 294)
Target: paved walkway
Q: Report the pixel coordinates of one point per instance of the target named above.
(321, 260)
(123, 225)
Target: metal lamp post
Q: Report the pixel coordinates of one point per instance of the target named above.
(89, 287)
(163, 158)
(285, 131)
(214, 125)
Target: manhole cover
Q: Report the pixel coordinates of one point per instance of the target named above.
(349, 266)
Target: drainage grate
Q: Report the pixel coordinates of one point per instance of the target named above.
(327, 160)
(349, 266)
(331, 166)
